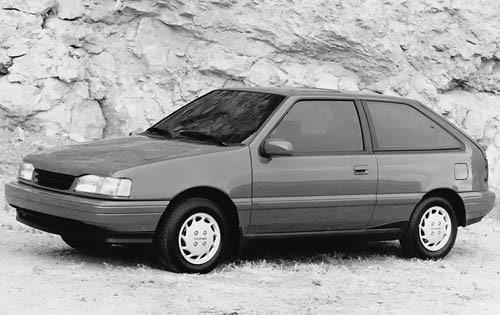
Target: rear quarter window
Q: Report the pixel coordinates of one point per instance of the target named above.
(397, 126)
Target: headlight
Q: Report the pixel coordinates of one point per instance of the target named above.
(26, 171)
(110, 186)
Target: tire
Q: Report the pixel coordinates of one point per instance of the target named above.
(193, 236)
(432, 230)
(84, 245)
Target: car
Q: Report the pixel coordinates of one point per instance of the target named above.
(246, 163)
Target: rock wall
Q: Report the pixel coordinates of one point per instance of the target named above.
(94, 68)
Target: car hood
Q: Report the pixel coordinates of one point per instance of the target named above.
(105, 157)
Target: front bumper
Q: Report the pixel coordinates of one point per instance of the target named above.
(113, 220)
(477, 205)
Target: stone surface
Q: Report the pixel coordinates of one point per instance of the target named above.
(69, 9)
(20, 134)
(5, 63)
(36, 7)
(104, 67)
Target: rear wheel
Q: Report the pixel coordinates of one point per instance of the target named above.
(432, 230)
(193, 237)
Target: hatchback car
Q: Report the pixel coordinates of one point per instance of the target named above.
(238, 164)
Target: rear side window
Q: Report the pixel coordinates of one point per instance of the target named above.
(321, 127)
(402, 127)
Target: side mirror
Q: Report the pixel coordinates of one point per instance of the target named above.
(277, 147)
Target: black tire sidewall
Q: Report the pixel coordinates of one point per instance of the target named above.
(168, 245)
(413, 238)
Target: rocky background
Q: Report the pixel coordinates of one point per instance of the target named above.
(98, 68)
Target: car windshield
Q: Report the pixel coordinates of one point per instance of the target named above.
(221, 116)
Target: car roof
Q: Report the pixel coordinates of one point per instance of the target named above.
(301, 91)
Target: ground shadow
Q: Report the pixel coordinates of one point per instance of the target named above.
(314, 249)
(121, 256)
(294, 250)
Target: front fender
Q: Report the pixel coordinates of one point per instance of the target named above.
(228, 171)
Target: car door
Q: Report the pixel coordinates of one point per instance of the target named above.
(328, 183)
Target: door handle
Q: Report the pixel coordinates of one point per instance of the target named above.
(360, 169)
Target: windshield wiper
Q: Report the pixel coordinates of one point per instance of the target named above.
(200, 135)
(160, 131)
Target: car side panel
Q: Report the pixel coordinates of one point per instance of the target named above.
(405, 177)
(478, 170)
(312, 193)
(227, 171)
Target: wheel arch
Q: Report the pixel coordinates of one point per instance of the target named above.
(210, 193)
(452, 197)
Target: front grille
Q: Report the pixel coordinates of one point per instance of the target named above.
(52, 180)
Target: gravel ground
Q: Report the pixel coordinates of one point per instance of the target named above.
(40, 274)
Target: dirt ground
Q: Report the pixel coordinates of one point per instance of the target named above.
(40, 274)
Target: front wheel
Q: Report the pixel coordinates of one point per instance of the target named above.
(432, 230)
(193, 237)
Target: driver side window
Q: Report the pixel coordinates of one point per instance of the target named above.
(321, 127)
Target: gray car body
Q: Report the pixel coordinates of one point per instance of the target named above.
(267, 196)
